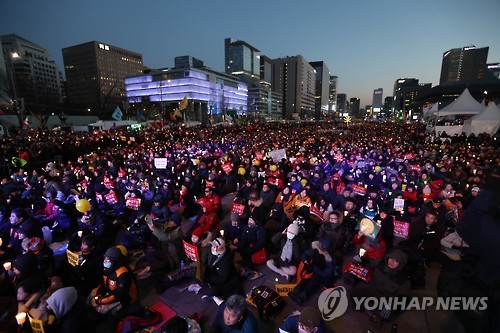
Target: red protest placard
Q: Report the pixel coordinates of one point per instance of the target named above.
(190, 250)
(111, 198)
(133, 203)
(401, 229)
(359, 190)
(359, 271)
(226, 167)
(237, 208)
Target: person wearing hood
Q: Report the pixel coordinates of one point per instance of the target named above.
(253, 239)
(332, 233)
(291, 250)
(70, 314)
(388, 280)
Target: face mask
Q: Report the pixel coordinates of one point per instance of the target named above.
(214, 252)
(107, 265)
(289, 235)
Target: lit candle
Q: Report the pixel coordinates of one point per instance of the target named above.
(7, 266)
(21, 318)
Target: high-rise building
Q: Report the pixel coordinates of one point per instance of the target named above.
(377, 100)
(294, 79)
(187, 62)
(342, 105)
(332, 103)
(387, 108)
(464, 64)
(32, 75)
(354, 106)
(494, 70)
(266, 70)
(95, 74)
(322, 91)
(242, 61)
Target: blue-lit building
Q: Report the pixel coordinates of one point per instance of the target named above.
(211, 95)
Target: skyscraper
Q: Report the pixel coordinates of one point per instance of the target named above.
(95, 74)
(464, 64)
(332, 95)
(31, 73)
(377, 100)
(242, 61)
(321, 97)
(295, 80)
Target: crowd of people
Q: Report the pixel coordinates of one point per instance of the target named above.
(301, 191)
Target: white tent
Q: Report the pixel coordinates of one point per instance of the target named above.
(464, 104)
(487, 121)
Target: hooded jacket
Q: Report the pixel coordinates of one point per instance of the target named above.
(62, 300)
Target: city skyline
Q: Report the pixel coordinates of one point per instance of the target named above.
(368, 45)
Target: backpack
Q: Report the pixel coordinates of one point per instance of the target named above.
(267, 301)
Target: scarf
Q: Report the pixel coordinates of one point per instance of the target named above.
(287, 252)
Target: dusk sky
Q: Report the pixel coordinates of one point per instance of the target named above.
(367, 44)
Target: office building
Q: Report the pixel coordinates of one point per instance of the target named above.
(242, 61)
(377, 100)
(95, 73)
(30, 73)
(322, 91)
(211, 96)
(342, 105)
(354, 104)
(332, 95)
(294, 79)
(464, 64)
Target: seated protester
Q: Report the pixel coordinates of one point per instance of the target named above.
(209, 218)
(48, 214)
(71, 314)
(371, 251)
(426, 234)
(386, 223)
(307, 320)
(453, 247)
(233, 230)
(117, 294)
(24, 266)
(284, 202)
(19, 222)
(88, 273)
(29, 294)
(370, 209)
(43, 253)
(220, 278)
(169, 250)
(214, 199)
(436, 205)
(256, 209)
(328, 193)
(332, 233)
(93, 222)
(138, 234)
(290, 244)
(350, 221)
(319, 262)
(302, 199)
(319, 210)
(268, 196)
(389, 278)
(253, 240)
(233, 316)
(159, 210)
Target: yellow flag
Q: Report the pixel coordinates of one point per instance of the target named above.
(184, 103)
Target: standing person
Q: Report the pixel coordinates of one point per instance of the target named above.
(234, 317)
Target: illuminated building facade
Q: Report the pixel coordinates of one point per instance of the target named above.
(321, 96)
(211, 95)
